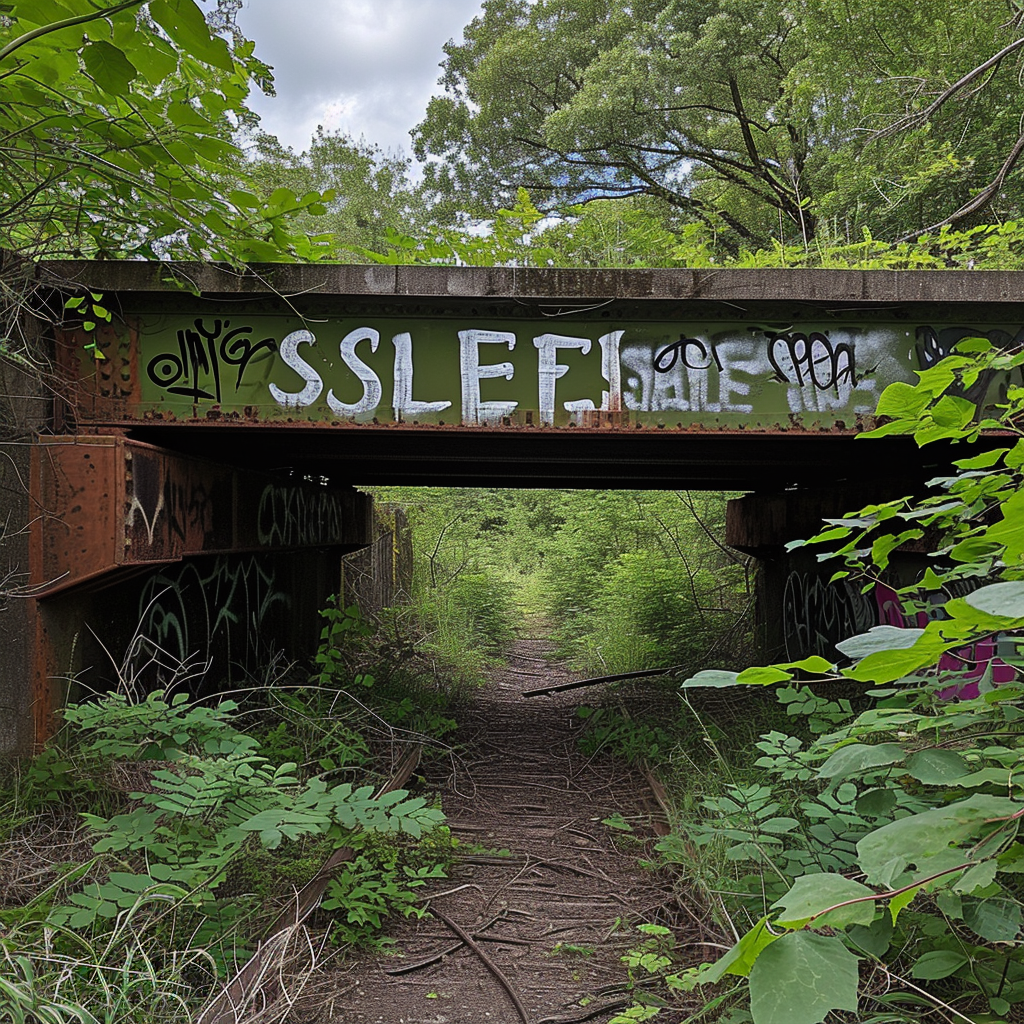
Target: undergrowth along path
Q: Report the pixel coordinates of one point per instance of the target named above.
(534, 934)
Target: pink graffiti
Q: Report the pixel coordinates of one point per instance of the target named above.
(976, 658)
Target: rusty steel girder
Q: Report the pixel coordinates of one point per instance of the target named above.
(107, 503)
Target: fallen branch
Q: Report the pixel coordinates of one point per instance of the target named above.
(619, 677)
(619, 1004)
(487, 962)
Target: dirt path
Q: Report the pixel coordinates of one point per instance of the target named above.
(554, 918)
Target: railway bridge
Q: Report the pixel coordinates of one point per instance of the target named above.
(184, 469)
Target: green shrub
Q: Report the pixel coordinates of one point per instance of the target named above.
(485, 605)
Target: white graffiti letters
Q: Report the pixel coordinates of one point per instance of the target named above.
(735, 369)
(549, 369)
(403, 402)
(314, 385)
(473, 410)
(371, 382)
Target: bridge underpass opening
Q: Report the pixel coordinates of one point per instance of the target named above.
(229, 425)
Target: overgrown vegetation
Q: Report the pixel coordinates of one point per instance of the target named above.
(169, 832)
(864, 859)
(626, 580)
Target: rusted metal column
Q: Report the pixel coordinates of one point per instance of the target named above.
(798, 613)
(120, 524)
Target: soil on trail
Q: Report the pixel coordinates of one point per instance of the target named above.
(553, 918)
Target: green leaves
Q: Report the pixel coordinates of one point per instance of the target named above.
(742, 957)
(858, 758)
(111, 69)
(936, 767)
(118, 142)
(801, 978)
(121, 892)
(198, 815)
(812, 895)
(1003, 599)
(937, 964)
(712, 677)
(997, 920)
(183, 21)
(887, 852)
(879, 638)
(936, 860)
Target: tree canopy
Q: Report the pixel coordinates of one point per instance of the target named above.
(369, 191)
(116, 136)
(762, 119)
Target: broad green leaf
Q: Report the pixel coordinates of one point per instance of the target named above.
(890, 850)
(876, 803)
(183, 21)
(801, 978)
(888, 666)
(763, 676)
(950, 411)
(874, 940)
(1010, 531)
(983, 461)
(742, 956)
(979, 877)
(779, 826)
(112, 70)
(902, 400)
(884, 546)
(812, 894)
(815, 663)
(879, 638)
(712, 677)
(857, 758)
(1011, 860)
(936, 767)
(901, 901)
(951, 904)
(1004, 599)
(155, 61)
(973, 345)
(939, 963)
(997, 920)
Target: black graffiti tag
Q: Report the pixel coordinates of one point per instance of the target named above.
(813, 359)
(666, 358)
(202, 352)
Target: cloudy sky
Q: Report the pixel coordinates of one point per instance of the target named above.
(366, 67)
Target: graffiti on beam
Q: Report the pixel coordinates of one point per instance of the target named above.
(177, 507)
(499, 373)
(212, 610)
(817, 615)
(207, 352)
(290, 516)
(972, 662)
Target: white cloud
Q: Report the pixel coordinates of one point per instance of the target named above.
(365, 68)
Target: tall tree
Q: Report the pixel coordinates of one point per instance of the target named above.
(926, 121)
(757, 117)
(367, 191)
